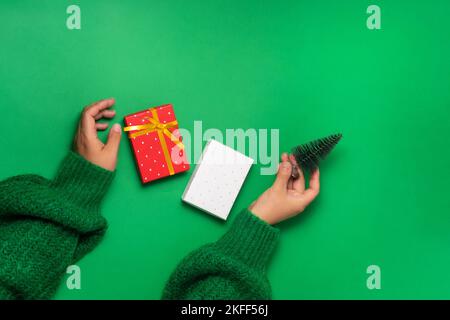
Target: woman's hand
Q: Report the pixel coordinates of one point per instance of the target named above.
(86, 141)
(286, 197)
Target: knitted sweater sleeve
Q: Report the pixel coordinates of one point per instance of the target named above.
(47, 225)
(234, 267)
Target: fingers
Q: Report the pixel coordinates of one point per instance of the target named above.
(290, 185)
(113, 143)
(108, 114)
(283, 175)
(89, 115)
(314, 187)
(95, 108)
(284, 158)
(299, 183)
(105, 114)
(101, 126)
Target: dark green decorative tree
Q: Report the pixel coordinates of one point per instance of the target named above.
(309, 155)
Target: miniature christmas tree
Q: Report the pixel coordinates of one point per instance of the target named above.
(308, 155)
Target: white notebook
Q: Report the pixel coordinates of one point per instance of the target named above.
(217, 179)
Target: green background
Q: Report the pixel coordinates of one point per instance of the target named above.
(308, 68)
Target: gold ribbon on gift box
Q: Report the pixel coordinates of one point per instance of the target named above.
(162, 129)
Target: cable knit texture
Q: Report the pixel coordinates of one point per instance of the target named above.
(47, 225)
(234, 267)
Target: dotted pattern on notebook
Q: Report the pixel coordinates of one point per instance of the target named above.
(217, 179)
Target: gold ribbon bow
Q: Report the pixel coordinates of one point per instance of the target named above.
(162, 129)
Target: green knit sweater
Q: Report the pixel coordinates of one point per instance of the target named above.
(233, 268)
(47, 225)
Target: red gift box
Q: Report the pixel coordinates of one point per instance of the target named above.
(157, 144)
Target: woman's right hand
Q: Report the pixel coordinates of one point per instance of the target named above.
(286, 197)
